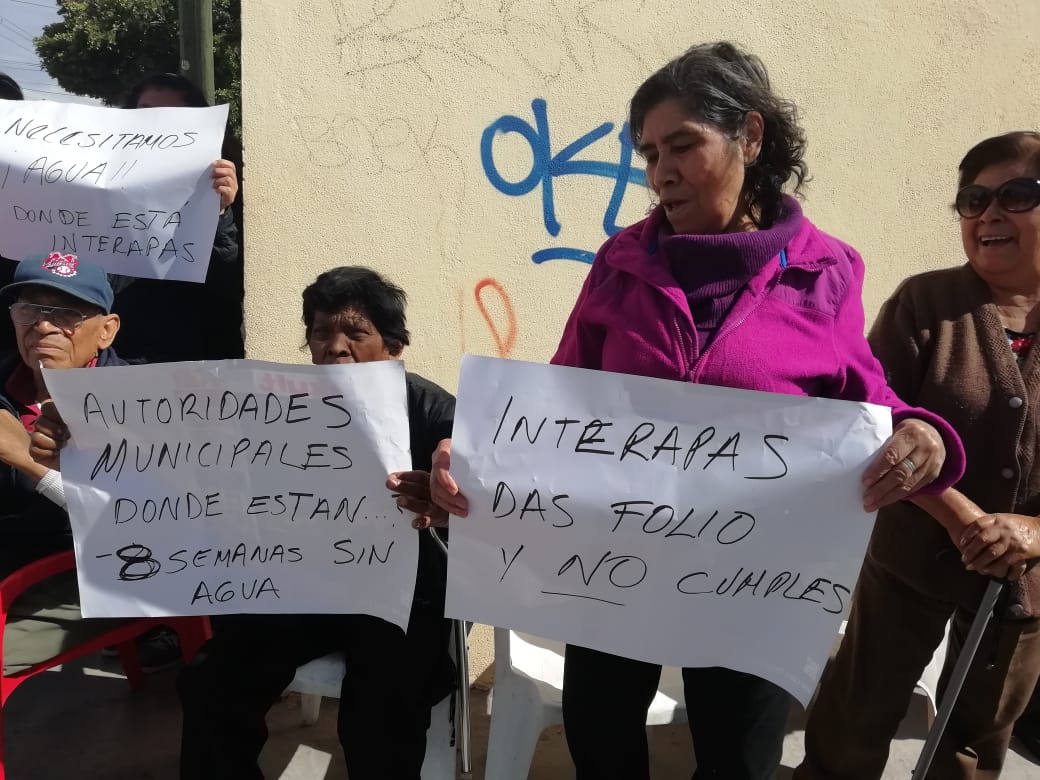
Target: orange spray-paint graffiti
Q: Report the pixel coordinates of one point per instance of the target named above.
(504, 329)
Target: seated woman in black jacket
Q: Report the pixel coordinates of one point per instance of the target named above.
(351, 315)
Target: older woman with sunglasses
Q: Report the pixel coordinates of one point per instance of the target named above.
(959, 342)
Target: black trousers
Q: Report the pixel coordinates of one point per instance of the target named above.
(392, 681)
(737, 720)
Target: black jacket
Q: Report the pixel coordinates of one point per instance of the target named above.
(431, 414)
(166, 321)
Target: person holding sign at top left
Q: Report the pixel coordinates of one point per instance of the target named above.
(208, 315)
(351, 315)
(725, 283)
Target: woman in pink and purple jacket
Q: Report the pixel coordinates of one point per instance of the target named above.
(725, 283)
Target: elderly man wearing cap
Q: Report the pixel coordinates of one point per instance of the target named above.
(62, 319)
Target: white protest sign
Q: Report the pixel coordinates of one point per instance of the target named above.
(681, 524)
(238, 486)
(129, 190)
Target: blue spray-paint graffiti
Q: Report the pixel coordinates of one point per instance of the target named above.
(547, 167)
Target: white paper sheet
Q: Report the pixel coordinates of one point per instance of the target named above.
(238, 486)
(681, 524)
(129, 190)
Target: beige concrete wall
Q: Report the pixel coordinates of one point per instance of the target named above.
(363, 123)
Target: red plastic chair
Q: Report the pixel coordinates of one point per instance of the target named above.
(192, 631)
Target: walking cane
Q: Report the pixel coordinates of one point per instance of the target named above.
(960, 672)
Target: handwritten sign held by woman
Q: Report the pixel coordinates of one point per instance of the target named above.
(129, 190)
(681, 524)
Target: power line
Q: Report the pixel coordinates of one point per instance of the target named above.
(41, 85)
(14, 30)
(17, 43)
(55, 92)
(20, 29)
(50, 92)
(15, 40)
(38, 5)
(19, 65)
(26, 41)
(26, 75)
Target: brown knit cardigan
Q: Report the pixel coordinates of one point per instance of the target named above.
(943, 347)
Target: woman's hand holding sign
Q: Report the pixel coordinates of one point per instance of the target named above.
(911, 459)
(444, 491)
(412, 489)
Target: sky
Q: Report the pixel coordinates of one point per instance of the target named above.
(20, 22)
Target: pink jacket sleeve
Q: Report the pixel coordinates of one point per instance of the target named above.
(581, 345)
(861, 378)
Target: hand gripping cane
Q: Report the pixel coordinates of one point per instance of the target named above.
(960, 672)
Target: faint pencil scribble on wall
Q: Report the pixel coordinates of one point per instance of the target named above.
(479, 35)
(394, 146)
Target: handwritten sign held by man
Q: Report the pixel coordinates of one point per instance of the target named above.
(129, 190)
(680, 524)
(238, 486)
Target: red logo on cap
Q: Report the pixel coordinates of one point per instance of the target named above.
(61, 265)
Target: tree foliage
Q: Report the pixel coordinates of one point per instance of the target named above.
(101, 48)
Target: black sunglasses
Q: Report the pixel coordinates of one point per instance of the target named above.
(1013, 196)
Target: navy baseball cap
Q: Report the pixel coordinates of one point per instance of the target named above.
(79, 278)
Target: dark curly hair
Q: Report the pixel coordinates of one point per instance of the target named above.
(365, 291)
(720, 84)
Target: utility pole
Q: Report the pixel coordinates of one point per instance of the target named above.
(196, 25)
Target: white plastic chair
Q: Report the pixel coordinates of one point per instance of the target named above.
(528, 697)
(324, 676)
(928, 685)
